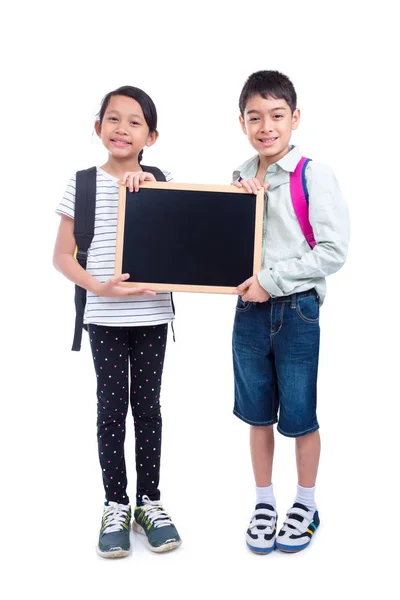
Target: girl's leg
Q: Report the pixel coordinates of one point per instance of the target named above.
(147, 361)
(110, 349)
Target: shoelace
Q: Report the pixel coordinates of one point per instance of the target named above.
(114, 516)
(155, 513)
(266, 524)
(291, 525)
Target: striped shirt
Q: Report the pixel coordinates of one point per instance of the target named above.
(130, 310)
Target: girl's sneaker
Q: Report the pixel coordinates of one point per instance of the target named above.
(260, 536)
(297, 529)
(152, 521)
(114, 533)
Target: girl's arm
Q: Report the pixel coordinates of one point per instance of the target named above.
(65, 262)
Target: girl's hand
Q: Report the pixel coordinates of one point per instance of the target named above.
(112, 288)
(251, 185)
(251, 291)
(132, 179)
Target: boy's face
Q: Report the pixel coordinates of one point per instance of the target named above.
(268, 124)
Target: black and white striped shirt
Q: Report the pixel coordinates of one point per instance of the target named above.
(127, 311)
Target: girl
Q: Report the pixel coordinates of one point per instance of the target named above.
(126, 327)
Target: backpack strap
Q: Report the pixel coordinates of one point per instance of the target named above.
(299, 194)
(85, 204)
(158, 174)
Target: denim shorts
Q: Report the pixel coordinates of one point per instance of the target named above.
(275, 360)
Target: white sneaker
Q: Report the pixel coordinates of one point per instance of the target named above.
(297, 529)
(260, 536)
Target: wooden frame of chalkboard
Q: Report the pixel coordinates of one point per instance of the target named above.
(180, 237)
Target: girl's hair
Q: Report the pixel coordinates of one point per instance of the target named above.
(268, 83)
(146, 103)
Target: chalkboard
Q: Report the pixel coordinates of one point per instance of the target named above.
(183, 237)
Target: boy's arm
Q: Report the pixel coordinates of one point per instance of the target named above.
(329, 218)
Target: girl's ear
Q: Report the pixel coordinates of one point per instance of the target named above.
(152, 138)
(97, 128)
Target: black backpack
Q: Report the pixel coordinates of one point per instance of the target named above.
(85, 204)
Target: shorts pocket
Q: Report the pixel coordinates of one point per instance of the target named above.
(308, 309)
(242, 306)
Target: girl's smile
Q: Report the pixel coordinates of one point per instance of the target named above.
(124, 131)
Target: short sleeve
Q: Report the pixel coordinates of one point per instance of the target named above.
(67, 204)
(167, 175)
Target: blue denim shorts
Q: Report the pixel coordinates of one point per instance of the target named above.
(275, 360)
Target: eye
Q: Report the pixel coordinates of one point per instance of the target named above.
(278, 116)
(112, 119)
(134, 123)
(252, 119)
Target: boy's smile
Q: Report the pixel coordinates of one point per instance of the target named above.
(268, 124)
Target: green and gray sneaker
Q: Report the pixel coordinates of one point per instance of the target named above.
(114, 533)
(156, 525)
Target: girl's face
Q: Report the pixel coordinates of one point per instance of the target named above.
(124, 131)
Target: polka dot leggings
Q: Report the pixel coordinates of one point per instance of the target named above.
(116, 351)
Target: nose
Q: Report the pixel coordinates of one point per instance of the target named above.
(266, 126)
(121, 129)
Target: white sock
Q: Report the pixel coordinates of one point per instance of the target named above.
(265, 495)
(305, 495)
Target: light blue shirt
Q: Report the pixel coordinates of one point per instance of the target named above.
(289, 265)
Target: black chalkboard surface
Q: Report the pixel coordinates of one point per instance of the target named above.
(181, 237)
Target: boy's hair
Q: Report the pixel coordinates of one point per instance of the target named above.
(147, 104)
(268, 83)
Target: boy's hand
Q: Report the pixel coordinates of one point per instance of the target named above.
(251, 291)
(251, 185)
(112, 288)
(132, 179)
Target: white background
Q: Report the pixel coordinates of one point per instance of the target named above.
(58, 61)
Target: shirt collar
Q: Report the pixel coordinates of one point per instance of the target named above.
(249, 168)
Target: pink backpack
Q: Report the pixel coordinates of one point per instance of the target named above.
(299, 194)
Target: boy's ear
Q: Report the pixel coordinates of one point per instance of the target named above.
(243, 124)
(152, 138)
(97, 128)
(296, 119)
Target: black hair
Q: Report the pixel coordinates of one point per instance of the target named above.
(268, 83)
(146, 103)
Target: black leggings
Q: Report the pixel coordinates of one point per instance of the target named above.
(114, 349)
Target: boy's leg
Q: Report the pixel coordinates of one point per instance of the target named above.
(296, 347)
(308, 448)
(262, 454)
(256, 403)
(110, 355)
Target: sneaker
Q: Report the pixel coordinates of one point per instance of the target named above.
(114, 533)
(260, 536)
(155, 524)
(297, 529)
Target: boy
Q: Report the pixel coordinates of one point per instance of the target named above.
(276, 329)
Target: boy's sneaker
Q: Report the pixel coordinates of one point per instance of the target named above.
(114, 533)
(260, 536)
(152, 521)
(297, 529)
